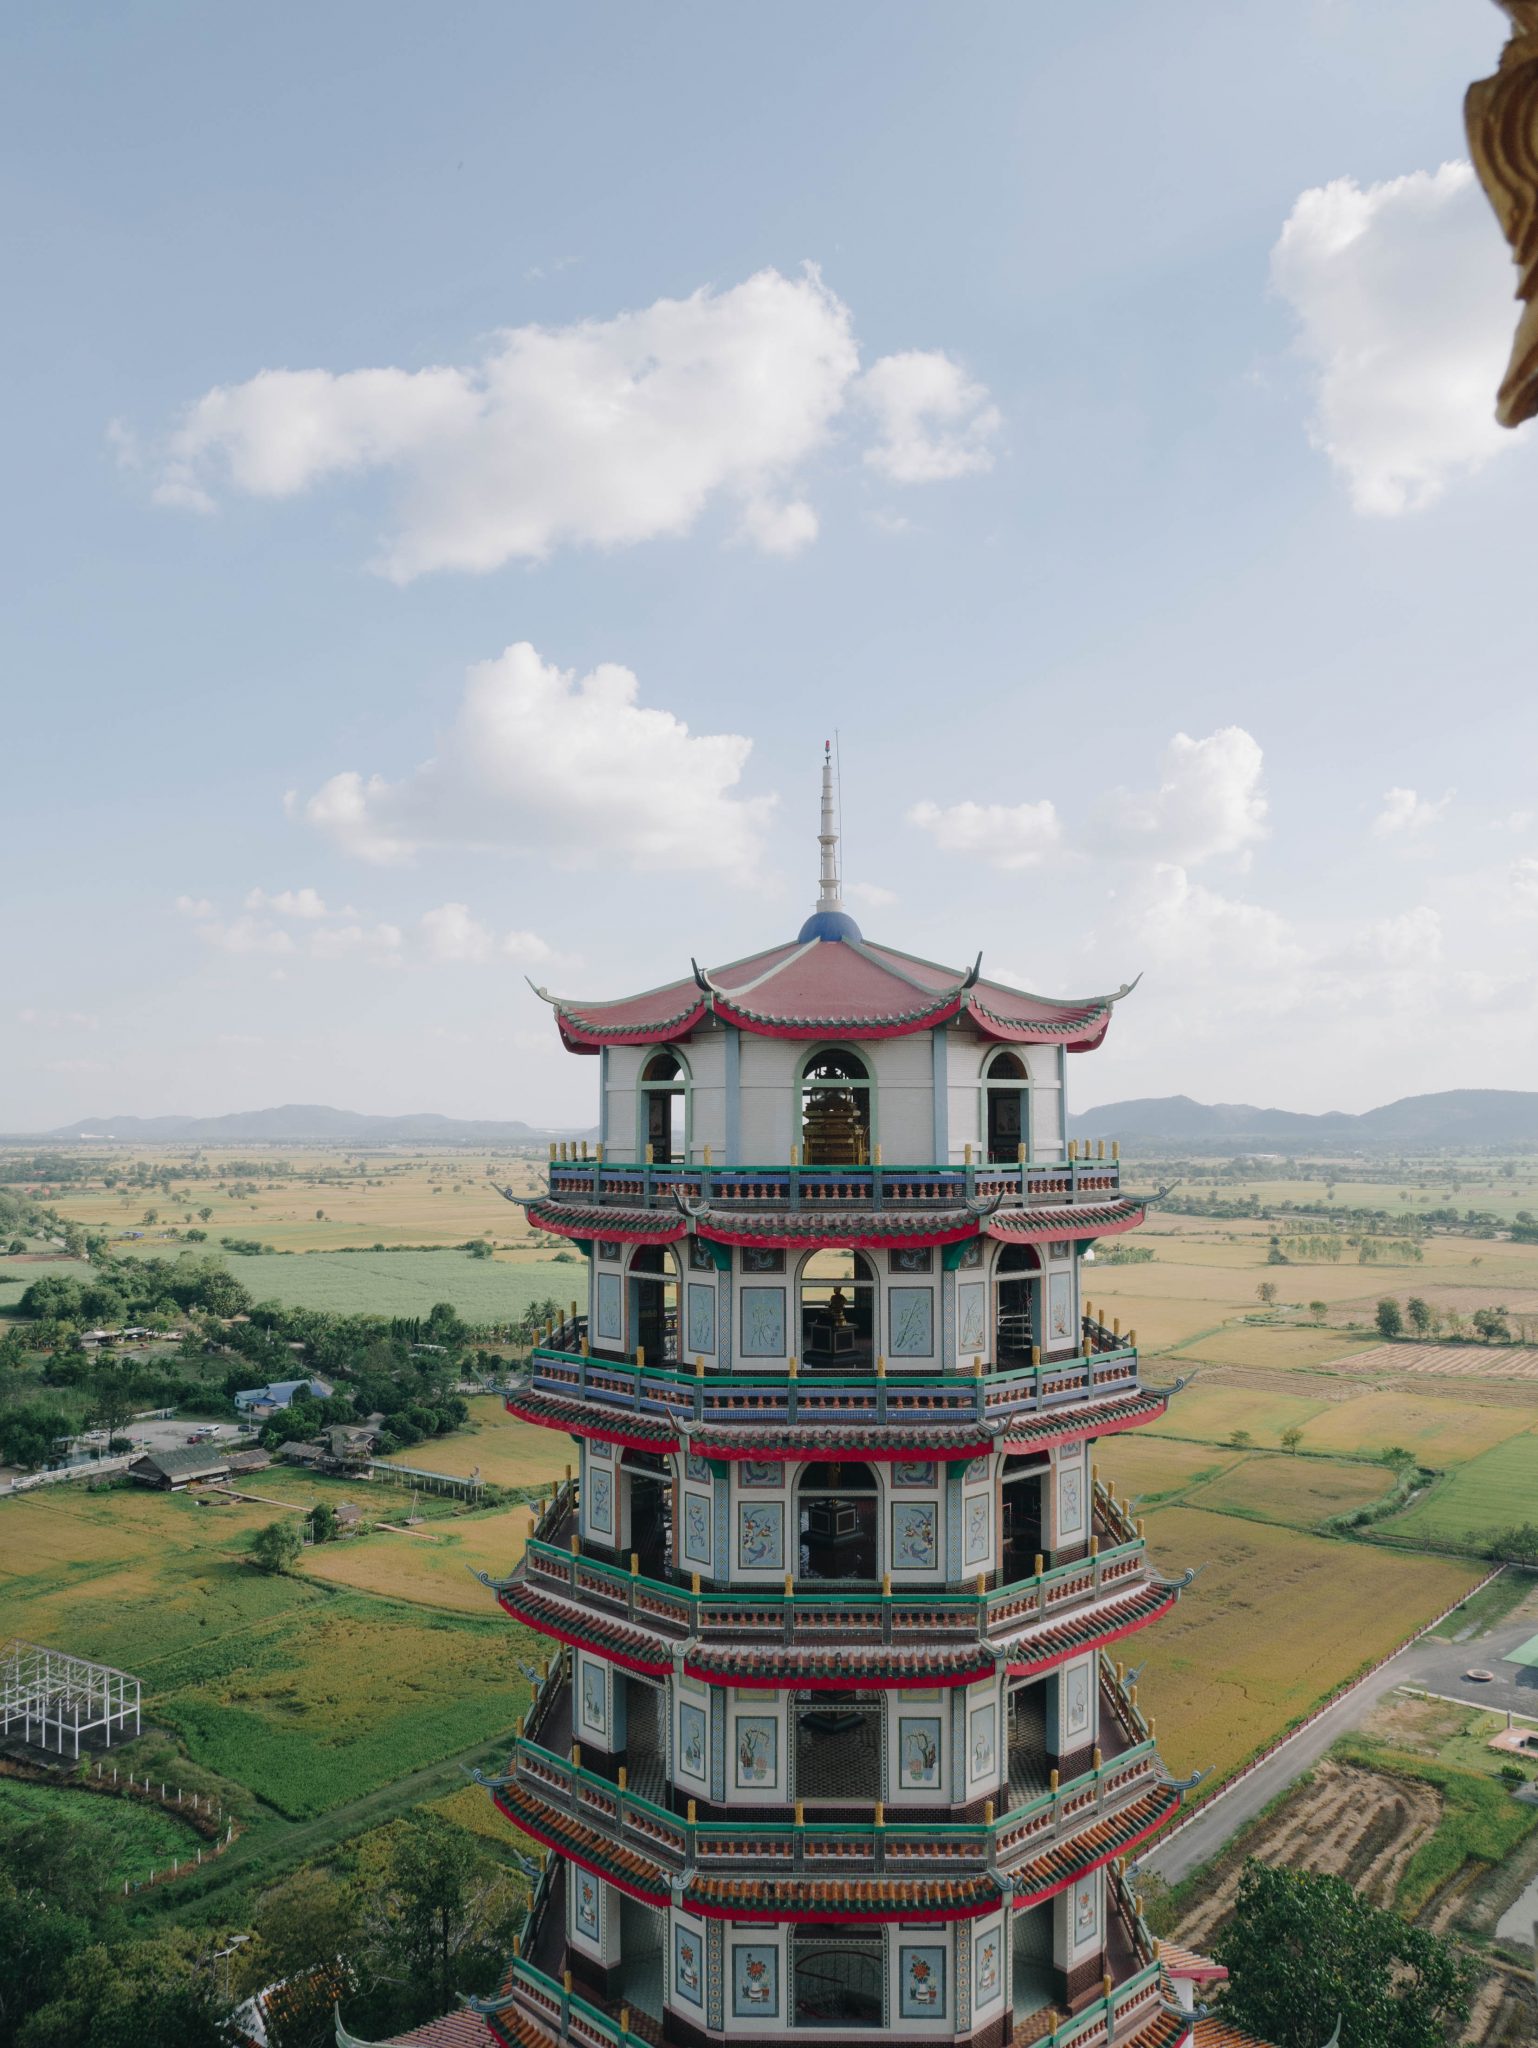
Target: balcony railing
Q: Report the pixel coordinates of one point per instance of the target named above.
(1107, 1363)
(563, 2015)
(810, 1613)
(896, 1845)
(833, 1187)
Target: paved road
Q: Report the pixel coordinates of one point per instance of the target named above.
(1437, 1665)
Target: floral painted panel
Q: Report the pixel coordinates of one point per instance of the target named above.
(1070, 1498)
(600, 1503)
(918, 1752)
(696, 1529)
(922, 1979)
(761, 1536)
(595, 1696)
(691, 1740)
(758, 1751)
(702, 1316)
(1086, 1911)
(755, 1982)
(1060, 1308)
(696, 1467)
(982, 1729)
(914, 1472)
(589, 1921)
(607, 1305)
(911, 1258)
(911, 1312)
(988, 1957)
(763, 1322)
(977, 1529)
(1076, 1699)
(971, 1318)
(688, 1965)
(760, 1472)
(914, 1537)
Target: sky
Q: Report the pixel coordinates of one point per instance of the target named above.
(465, 461)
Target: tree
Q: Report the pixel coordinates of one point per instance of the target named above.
(1421, 1315)
(1266, 1292)
(1390, 1321)
(1305, 1951)
(441, 1905)
(307, 1932)
(112, 1405)
(1491, 1324)
(323, 1522)
(1241, 1439)
(204, 1214)
(1292, 1436)
(1319, 1310)
(274, 1548)
(161, 1991)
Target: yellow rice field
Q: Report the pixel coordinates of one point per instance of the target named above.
(433, 1569)
(1275, 1621)
(1439, 1429)
(506, 1451)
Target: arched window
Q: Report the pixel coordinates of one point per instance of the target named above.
(837, 1506)
(1017, 1318)
(654, 1291)
(1007, 1095)
(838, 1311)
(836, 1103)
(665, 1108)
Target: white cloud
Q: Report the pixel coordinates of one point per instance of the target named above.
(1208, 802)
(932, 421)
(870, 895)
(1523, 878)
(1185, 926)
(60, 1020)
(1403, 295)
(525, 949)
(245, 935)
(75, 1067)
(379, 942)
(194, 906)
(1412, 938)
(450, 933)
(1404, 810)
(1007, 836)
(305, 903)
(537, 756)
(604, 433)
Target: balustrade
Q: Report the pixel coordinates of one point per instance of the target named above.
(821, 1188)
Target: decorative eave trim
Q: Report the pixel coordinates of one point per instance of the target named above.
(900, 1025)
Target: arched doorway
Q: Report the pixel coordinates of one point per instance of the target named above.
(665, 1109)
(836, 1109)
(1024, 1480)
(654, 1290)
(837, 1510)
(837, 1738)
(837, 1975)
(1006, 1088)
(1016, 1305)
(838, 1311)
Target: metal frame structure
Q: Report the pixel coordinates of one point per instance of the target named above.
(63, 1697)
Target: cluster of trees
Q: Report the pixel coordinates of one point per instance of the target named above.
(131, 1290)
(421, 1913)
(1308, 1953)
(1426, 1319)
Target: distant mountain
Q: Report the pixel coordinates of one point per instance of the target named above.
(1457, 1116)
(301, 1123)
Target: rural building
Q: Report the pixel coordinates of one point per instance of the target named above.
(834, 1594)
(253, 1460)
(302, 1454)
(349, 1444)
(349, 1516)
(279, 1394)
(171, 1470)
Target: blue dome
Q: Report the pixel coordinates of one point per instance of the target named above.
(828, 924)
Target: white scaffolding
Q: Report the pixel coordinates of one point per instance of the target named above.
(63, 1697)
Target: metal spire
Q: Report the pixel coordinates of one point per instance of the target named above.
(830, 894)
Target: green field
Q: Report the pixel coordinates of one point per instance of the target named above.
(125, 1839)
(405, 1283)
(1497, 1490)
(310, 1696)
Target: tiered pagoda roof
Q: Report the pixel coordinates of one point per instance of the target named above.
(834, 984)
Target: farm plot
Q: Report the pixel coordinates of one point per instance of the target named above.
(1439, 1429)
(431, 1572)
(1444, 1361)
(1277, 1346)
(125, 1839)
(404, 1283)
(1149, 1469)
(1302, 1492)
(507, 1452)
(1213, 1410)
(1497, 1490)
(1277, 1620)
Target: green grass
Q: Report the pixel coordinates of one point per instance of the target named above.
(1480, 1819)
(405, 1283)
(126, 1839)
(1491, 1604)
(1497, 1490)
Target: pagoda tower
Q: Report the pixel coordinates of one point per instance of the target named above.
(832, 1738)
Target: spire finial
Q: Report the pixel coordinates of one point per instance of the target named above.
(830, 895)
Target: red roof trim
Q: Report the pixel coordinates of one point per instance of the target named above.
(562, 1635)
(824, 1234)
(1096, 1643)
(840, 1027)
(946, 1454)
(1072, 1433)
(596, 1870)
(1023, 1903)
(584, 1037)
(664, 1231)
(611, 1436)
(925, 1916)
(748, 1682)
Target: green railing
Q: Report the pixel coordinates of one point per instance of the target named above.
(876, 1184)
